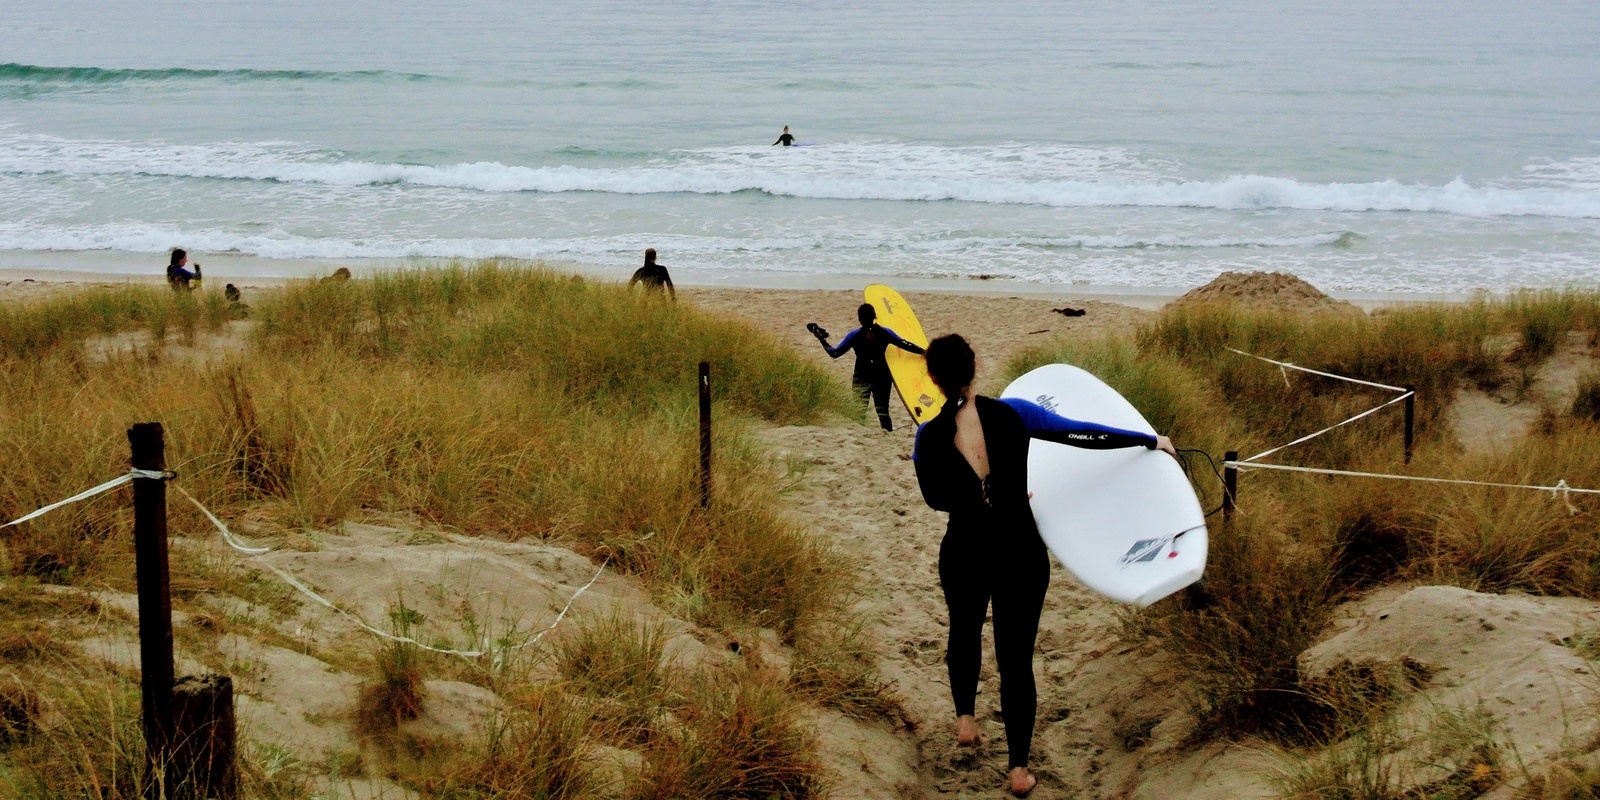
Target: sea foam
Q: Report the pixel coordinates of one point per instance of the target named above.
(1054, 176)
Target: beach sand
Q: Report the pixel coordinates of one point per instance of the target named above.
(1110, 722)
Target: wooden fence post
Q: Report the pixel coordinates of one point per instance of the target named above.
(705, 434)
(203, 743)
(148, 443)
(1411, 419)
(1230, 484)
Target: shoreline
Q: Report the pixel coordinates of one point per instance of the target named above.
(227, 269)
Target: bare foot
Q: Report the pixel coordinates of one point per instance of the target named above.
(1022, 781)
(967, 731)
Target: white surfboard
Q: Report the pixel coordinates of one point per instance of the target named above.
(1126, 523)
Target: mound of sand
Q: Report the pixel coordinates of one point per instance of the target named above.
(1278, 290)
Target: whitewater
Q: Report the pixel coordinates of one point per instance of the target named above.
(1404, 151)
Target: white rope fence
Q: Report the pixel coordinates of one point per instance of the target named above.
(1308, 437)
(256, 552)
(298, 585)
(1285, 365)
(88, 493)
(1560, 490)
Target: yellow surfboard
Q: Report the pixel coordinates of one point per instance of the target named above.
(922, 398)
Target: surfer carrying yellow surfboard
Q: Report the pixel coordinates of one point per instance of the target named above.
(870, 341)
(972, 461)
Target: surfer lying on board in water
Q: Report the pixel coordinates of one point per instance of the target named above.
(972, 461)
(870, 341)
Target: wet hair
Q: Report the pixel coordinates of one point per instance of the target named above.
(951, 363)
(178, 255)
(866, 313)
(649, 256)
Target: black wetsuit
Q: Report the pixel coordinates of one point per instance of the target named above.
(784, 140)
(653, 276)
(872, 377)
(992, 549)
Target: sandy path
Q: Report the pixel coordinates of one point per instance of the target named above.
(1109, 724)
(996, 326)
(859, 489)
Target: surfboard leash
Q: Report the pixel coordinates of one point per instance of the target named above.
(1188, 471)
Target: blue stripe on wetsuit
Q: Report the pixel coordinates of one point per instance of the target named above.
(849, 341)
(1045, 424)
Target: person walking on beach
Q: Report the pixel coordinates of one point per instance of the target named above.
(972, 461)
(786, 139)
(870, 341)
(178, 277)
(654, 276)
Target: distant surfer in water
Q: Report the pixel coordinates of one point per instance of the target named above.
(972, 461)
(870, 341)
(178, 277)
(654, 276)
(785, 140)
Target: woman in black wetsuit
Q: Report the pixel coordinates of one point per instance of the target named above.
(972, 461)
(870, 341)
(653, 275)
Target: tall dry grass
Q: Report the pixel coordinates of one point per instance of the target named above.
(618, 663)
(741, 735)
(1302, 544)
(65, 320)
(69, 727)
(492, 400)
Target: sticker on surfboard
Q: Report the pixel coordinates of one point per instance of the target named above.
(1125, 522)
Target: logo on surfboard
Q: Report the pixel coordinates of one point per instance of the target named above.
(1145, 551)
(1046, 401)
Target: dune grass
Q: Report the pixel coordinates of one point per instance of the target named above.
(1447, 755)
(741, 736)
(1302, 544)
(394, 691)
(491, 400)
(29, 330)
(68, 727)
(539, 747)
(618, 663)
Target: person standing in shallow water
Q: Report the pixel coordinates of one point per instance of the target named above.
(871, 342)
(785, 139)
(654, 276)
(972, 461)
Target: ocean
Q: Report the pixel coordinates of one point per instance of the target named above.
(1367, 145)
